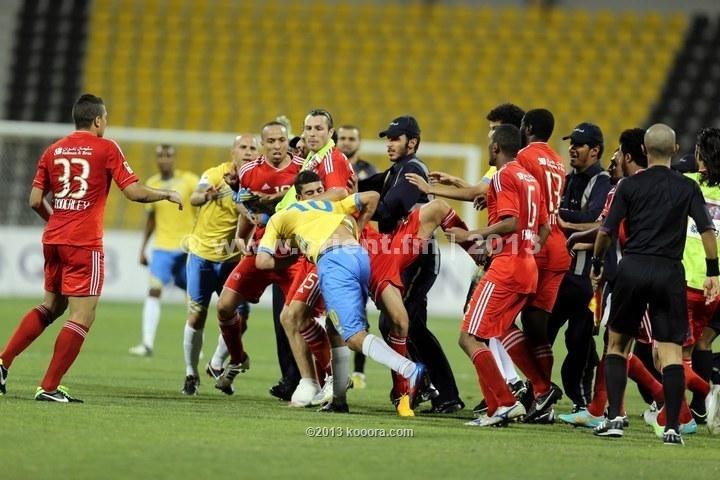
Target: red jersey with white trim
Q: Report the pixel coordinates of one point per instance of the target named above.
(622, 230)
(336, 171)
(514, 192)
(260, 176)
(543, 163)
(77, 169)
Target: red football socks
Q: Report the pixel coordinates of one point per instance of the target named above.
(693, 381)
(491, 380)
(399, 344)
(517, 346)
(452, 219)
(232, 332)
(544, 356)
(31, 326)
(67, 346)
(319, 345)
(642, 376)
(599, 400)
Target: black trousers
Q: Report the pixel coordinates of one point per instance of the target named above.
(571, 307)
(423, 346)
(288, 367)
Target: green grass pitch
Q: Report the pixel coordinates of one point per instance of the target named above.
(135, 423)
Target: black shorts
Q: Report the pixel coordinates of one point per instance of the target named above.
(655, 283)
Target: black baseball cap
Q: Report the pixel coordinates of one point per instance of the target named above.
(405, 124)
(585, 134)
(685, 164)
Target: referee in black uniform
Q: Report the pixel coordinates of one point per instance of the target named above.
(398, 197)
(655, 205)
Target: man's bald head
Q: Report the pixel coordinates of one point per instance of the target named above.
(246, 148)
(660, 141)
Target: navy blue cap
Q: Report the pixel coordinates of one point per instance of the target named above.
(402, 125)
(585, 134)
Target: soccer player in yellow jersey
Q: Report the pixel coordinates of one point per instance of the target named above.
(212, 255)
(327, 234)
(170, 226)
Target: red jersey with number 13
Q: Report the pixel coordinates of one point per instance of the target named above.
(77, 169)
(547, 167)
(514, 192)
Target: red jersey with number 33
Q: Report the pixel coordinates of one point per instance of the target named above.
(543, 163)
(514, 192)
(78, 169)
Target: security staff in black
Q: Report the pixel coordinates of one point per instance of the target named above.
(655, 205)
(586, 189)
(398, 198)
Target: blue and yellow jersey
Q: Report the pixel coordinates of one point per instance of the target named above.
(171, 224)
(487, 178)
(214, 232)
(310, 224)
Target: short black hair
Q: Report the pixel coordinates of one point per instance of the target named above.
(631, 142)
(708, 145)
(541, 121)
(507, 113)
(508, 139)
(321, 112)
(349, 127)
(86, 109)
(305, 177)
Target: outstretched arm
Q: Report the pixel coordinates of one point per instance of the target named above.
(140, 193)
(466, 193)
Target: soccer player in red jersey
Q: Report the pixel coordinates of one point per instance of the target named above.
(266, 180)
(552, 260)
(516, 217)
(76, 171)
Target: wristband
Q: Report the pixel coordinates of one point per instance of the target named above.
(597, 264)
(711, 267)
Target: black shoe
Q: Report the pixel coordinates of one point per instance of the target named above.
(518, 389)
(671, 437)
(283, 390)
(543, 404)
(214, 373)
(451, 406)
(191, 385)
(60, 395)
(528, 397)
(3, 378)
(429, 393)
(333, 407)
(480, 408)
(700, 416)
(547, 417)
(610, 428)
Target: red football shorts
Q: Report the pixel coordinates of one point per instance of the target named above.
(547, 290)
(250, 282)
(384, 271)
(492, 310)
(405, 244)
(305, 287)
(699, 314)
(74, 271)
